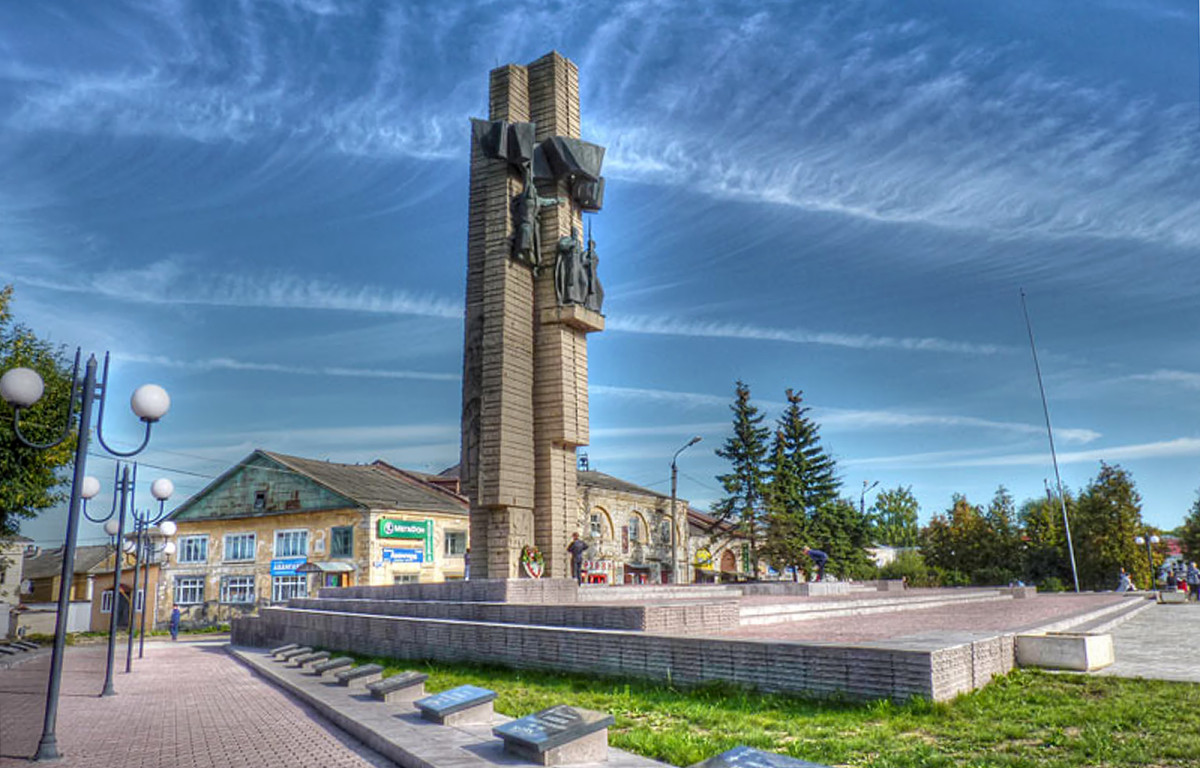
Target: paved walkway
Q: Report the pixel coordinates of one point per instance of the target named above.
(1159, 643)
(186, 704)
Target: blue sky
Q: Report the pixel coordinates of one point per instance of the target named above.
(262, 207)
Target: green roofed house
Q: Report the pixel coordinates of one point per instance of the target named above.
(275, 527)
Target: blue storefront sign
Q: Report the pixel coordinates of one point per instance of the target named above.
(286, 566)
(394, 555)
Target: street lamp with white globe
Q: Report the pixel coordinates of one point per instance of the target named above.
(146, 548)
(1148, 541)
(22, 388)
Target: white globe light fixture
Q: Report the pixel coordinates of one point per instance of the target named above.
(150, 402)
(162, 489)
(1138, 540)
(112, 527)
(89, 488)
(169, 548)
(129, 546)
(21, 387)
(167, 528)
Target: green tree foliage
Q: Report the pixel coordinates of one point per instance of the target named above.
(1107, 519)
(1189, 532)
(895, 515)
(801, 480)
(746, 451)
(909, 565)
(31, 481)
(1046, 556)
(839, 529)
(973, 545)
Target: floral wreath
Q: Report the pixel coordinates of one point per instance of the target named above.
(532, 561)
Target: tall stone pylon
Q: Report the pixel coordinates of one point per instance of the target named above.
(529, 308)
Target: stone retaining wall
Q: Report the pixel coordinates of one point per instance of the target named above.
(935, 670)
(537, 591)
(693, 617)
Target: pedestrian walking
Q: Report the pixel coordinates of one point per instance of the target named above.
(175, 623)
(577, 547)
(1193, 580)
(1124, 583)
(819, 559)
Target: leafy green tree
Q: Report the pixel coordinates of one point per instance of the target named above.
(801, 480)
(842, 531)
(1107, 519)
(1189, 532)
(1002, 546)
(31, 481)
(1046, 555)
(746, 451)
(895, 515)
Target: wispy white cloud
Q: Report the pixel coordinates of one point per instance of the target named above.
(1186, 379)
(723, 330)
(1165, 449)
(228, 364)
(855, 420)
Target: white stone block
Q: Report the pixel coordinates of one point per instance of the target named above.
(1065, 650)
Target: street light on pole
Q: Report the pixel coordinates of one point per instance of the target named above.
(22, 388)
(1148, 540)
(674, 524)
(862, 498)
(145, 549)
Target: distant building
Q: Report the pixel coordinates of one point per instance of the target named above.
(41, 581)
(275, 527)
(716, 551)
(12, 561)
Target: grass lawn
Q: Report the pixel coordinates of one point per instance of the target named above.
(1025, 719)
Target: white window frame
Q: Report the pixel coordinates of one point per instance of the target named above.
(106, 601)
(229, 590)
(596, 525)
(191, 583)
(459, 536)
(240, 537)
(283, 588)
(186, 553)
(635, 529)
(406, 578)
(289, 533)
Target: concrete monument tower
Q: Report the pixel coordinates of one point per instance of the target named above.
(532, 297)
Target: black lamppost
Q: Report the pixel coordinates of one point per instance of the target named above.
(679, 578)
(1148, 540)
(146, 549)
(862, 497)
(21, 388)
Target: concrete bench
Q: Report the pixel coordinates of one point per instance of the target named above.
(9, 650)
(458, 706)
(559, 735)
(749, 757)
(26, 645)
(305, 659)
(1065, 650)
(359, 677)
(331, 667)
(283, 649)
(1172, 596)
(406, 686)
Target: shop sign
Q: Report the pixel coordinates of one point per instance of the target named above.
(286, 566)
(406, 529)
(397, 555)
(703, 556)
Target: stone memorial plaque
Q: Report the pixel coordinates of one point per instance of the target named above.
(8, 650)
(308, 658)
(367, 673)
(27, 645)
(454, 700)
(553, 727)
(283, 649)
(333, 664)
(748, 757)
(288, 655)
(406, 684)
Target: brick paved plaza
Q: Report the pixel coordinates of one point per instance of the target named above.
(187, 705)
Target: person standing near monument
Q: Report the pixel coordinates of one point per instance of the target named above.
(1193, 580)
(577, 547)
(819, 559)
(175, 623)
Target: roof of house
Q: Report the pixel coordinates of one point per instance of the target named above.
(368, 486)
(48, 562)
(591, 477)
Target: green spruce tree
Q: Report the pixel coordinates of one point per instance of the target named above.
(746, 451)
(1189, 533)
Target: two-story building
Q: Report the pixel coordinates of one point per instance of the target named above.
(275, 527)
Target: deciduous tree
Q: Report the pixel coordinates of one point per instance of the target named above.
(895, 514)
(1108, 517)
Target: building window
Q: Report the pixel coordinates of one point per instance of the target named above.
(189, 590)
(291, 543)
(341, 541)
(260, 500)
(405, 578)
(193, 549)
(597, 527)
(284, 588)
(664, 531)
(635, 529)
(239, 546)
(456, 543)
(237, 589)
(106, 601)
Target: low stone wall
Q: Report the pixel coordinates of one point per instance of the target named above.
(931, 669)
(704, 617)
(537, 591)
(796, 588)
